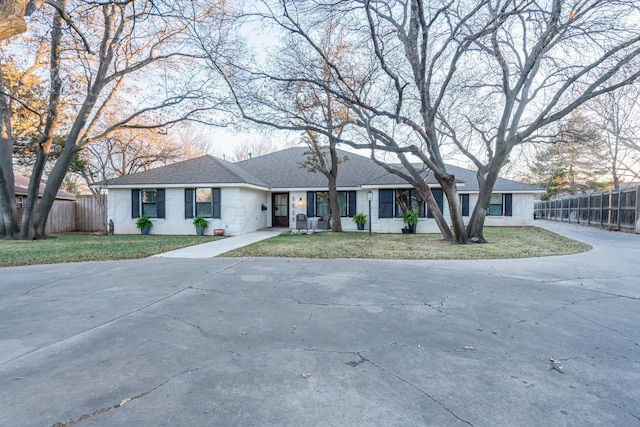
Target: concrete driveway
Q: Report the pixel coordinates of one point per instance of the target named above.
(203, 342)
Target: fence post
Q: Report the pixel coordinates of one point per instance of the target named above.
(579, 203)
(601, 208)
(619, 209)
(637, 217)
(589, 208)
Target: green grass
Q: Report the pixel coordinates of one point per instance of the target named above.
(504, 242)
(72, 247)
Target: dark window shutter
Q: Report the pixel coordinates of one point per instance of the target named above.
(161, 198)
(385, 203)
(216, 197)
(311, 204)
(508, 209)
(438, 195)
(464, 199)
(188, 202)
(135, 203)
(351, 210)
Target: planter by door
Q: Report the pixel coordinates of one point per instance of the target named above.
(218, 232)
(200, 231)
(360, 227)
(145, 230)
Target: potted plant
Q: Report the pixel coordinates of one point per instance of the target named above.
(144, 224)
(201, 224)
(410, 219)
(360, 219)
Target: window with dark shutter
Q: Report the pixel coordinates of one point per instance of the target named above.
(311, 204)
(351, 196)
(508, 205)
(188, 202)
(217, 203)
(135, 203)
(464, 201)
(385, 203)
(161, 201)
(439, 196)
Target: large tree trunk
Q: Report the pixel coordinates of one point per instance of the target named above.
(332, 176)
(11, 18)
(336, 224)
(475, 228)
(56, 177)
(30, 228)
(425, 192)
(8, 212)
(455, 211)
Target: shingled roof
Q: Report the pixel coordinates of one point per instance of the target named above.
(21, 187)
(283, 170)
(200, 170)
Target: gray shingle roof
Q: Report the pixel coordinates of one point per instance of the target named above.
(205, 169)
(282, 170)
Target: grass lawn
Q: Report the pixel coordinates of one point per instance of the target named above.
(71, 247)
(504, 242)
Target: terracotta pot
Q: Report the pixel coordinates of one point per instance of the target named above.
(218, 232)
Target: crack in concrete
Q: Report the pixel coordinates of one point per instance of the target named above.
(424, 392)
(617, 405)
(66, 276)
(202, 331)
(122, 316)
(601, 326)
(123, 402)
(363, 359)
(611, 294)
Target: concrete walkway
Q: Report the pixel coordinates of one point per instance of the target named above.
(213, 249)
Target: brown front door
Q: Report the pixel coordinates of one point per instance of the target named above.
(280, 203)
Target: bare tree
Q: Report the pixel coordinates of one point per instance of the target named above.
(482, 76)
(117, 50)
(246, 149)
(617, 115)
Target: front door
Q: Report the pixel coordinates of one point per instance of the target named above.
(280, 203)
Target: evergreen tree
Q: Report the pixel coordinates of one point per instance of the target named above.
(571, 163)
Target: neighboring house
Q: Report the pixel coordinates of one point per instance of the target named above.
(62, 216)
(22, 186)
(269, 190)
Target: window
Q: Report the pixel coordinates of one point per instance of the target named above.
(21, 202)
(202, 202)
(322, 203)
(147, 201)
(464, 202)
(393, 203)
(409, 200)
(500, 205)
(318, 203)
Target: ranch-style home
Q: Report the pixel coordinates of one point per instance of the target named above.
(271, 190)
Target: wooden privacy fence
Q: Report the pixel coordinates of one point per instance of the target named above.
(615, 209)
(91, 213)
(86, 213)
